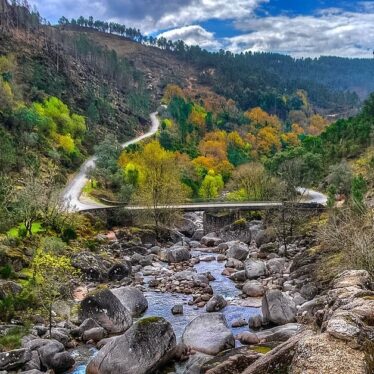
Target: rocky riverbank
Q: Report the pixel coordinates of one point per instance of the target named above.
(226, 302)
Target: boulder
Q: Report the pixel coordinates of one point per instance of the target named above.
(278, 307)
(119, 271)
(276, 265)
(321, 353)
(344, 326)
(106, 309)
(211, 240)
(15, 359)
(198, 234)
(255, 322)
(177, 309)
(350, 278)
(142, 349)
(48, 351)
(265, 236)
(239, 230)
(132, 299)
(9, 288)
(238, 250)
(254, 268)
(215, 304)
(96, 334)
(279, 333)
(253, 288)
(208, 333)
(186, 227)
(61, 362)
(87, 324)
(309, 291)
(239, 276)
(177, 254)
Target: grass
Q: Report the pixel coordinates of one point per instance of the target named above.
(35, 229)
(12, 339)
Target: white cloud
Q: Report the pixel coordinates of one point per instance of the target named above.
(332, 33)
(193, 35)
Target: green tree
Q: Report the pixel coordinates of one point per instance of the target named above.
(211, 186)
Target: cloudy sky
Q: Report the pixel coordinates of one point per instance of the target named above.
(296, 27)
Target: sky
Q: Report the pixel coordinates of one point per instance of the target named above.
(301, 28)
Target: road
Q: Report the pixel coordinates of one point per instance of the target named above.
(72, 193)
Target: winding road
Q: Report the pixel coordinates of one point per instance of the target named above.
(72, 193)
(74, 202)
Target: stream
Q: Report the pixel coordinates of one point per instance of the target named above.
(160, 304)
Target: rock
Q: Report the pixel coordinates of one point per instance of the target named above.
(211, 240)
(147, 345)
(253, 288)
(96, 334)
(322, 353)
(254, 268)
(9, 288)
(208, 333)
(279, 333)
(344, 326)
(215, 304)
(247, 338)
(186, 227)
(31, 371)
(33, 363)
(266, 249)
(255, 322)
(119, 271)
(239, 230)
(48, 350)
(208, 258)
(132, 299)
(238, 251)
(61, 362)
(350, 278)
(221, 258)
(92, 266)
(278, 307)
(87, 324)
(196, 362)
(14, 359)
(177, 309)
(234, 263)
(239, 323)
(278, 359)
(177, 254)
(106, 309)
(309, 291)
(265, 236)
(198, 234)
(276, 265)
(239, 276)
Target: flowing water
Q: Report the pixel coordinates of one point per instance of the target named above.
(160, 304)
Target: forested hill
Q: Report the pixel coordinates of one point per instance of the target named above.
(335, 85)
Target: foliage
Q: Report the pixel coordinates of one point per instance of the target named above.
(211, 186)
(12, 338)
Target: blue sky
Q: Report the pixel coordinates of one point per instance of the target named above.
(302, 28)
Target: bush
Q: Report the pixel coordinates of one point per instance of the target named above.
(12, 338)
(6, 272)
(68, 234)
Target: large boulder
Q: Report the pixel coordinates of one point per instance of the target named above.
(177, 254)
(186, 226)
(352, 278)
(208, 333)
(52, 355)
(237, 250)
(142, 349)
(14, 359)
(211, 240)
(253, 288)
(278, 308)
(322, 353)
(215, 304)
(132, 299)
(276, 265)
(106, 309)
(98, 268)
(254, 268)
(265, 236)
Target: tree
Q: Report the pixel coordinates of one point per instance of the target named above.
(211, 186)
(359, 188)
(252, 182)
(160, 187)
(51, 276)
